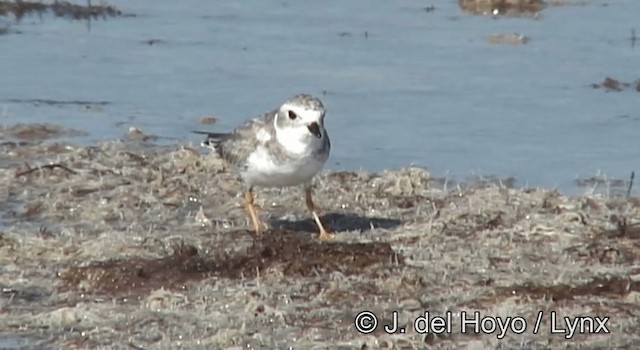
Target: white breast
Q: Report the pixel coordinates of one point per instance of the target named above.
(265, 170)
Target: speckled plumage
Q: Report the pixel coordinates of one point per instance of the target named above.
(235, 147)
(257, 137)
(287, 146)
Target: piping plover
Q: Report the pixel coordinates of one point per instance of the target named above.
(284, 147)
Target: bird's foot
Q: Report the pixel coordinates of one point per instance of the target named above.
(325, 236)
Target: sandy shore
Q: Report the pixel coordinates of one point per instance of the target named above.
(128, 245)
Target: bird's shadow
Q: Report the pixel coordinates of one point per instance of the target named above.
(337, 222)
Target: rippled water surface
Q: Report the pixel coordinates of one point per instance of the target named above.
(402, 84)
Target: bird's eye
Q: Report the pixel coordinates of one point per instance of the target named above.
(292, 115)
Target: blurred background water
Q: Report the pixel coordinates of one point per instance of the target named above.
(403, 81)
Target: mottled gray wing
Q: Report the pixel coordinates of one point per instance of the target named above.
(236, 146)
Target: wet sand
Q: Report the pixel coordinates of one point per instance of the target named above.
(130, 245)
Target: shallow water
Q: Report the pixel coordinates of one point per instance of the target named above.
(16, 343)
(402, 85)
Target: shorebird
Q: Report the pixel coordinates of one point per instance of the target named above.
(284, 147)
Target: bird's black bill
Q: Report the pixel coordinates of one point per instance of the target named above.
(314, 128)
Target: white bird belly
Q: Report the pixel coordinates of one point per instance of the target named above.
(263, 169)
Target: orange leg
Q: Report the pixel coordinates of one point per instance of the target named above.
(324, 235)
(251, 210)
